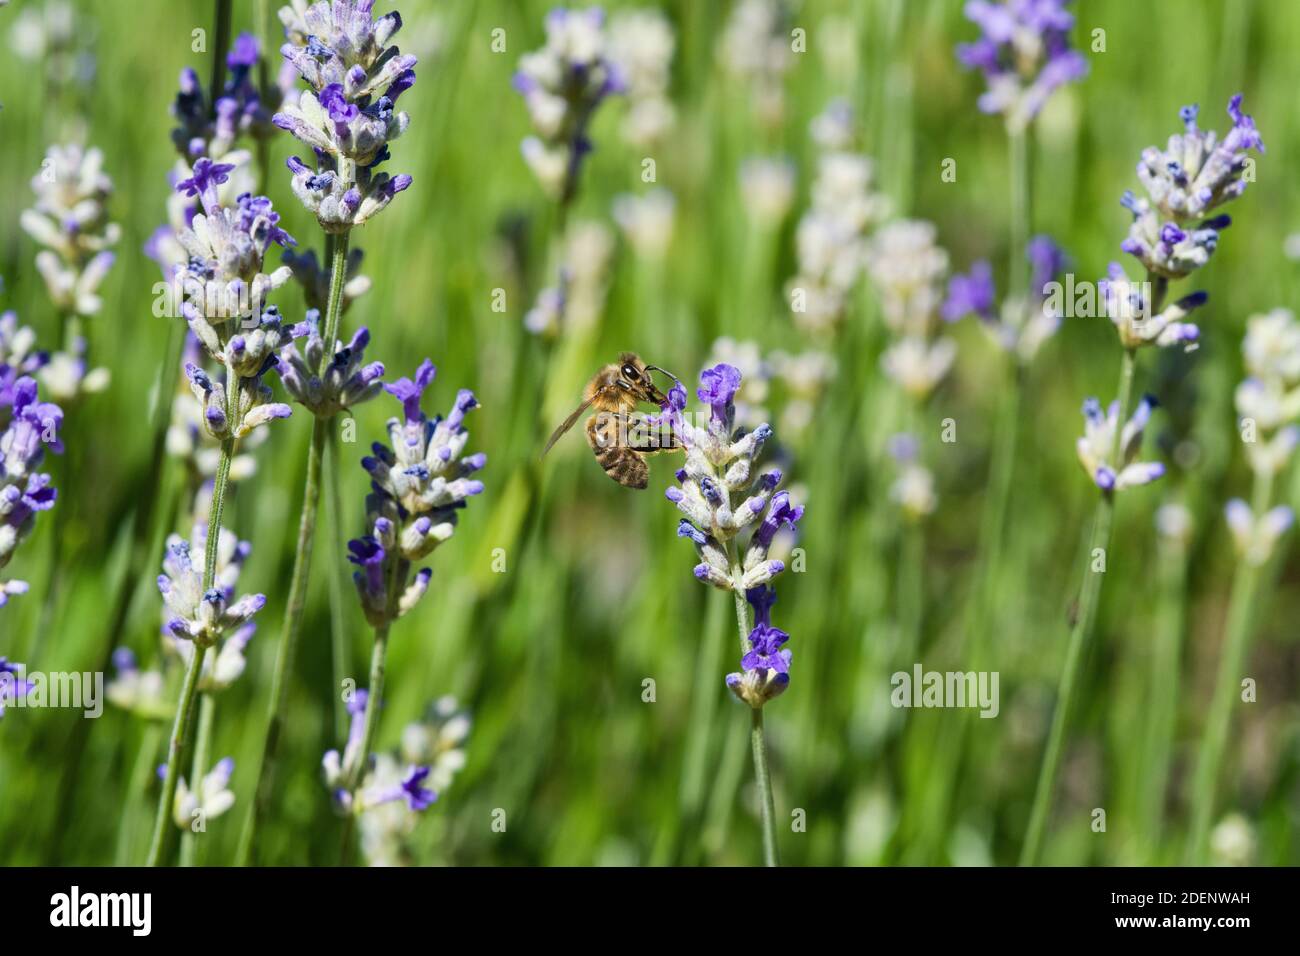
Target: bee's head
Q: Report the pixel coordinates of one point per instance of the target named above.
(634, 378)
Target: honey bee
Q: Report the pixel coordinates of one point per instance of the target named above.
(618, 435)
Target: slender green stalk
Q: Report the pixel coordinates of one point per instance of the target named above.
(287, 650)
(141, 773)
(764, 782)
(729, 772)
(265, 34)
(370, 728)
(221, 33)
(911, 589)
(337, 247)
(704, 698)
(1080, 636)
(1166, 658)
(1241, 607)
(762, 779)
(1018, 265)
(180, 728)
(337, 576)
(185, 707)
(199, 767)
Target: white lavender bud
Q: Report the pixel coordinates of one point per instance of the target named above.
(1256, 537)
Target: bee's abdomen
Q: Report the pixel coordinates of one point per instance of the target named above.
(621, 463)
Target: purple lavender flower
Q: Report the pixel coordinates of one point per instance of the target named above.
(1127, 304)
(411, 789)
(27, 427)
(1019, 326)
(212, 127)
(1095, 447)
(1024, 53)
(340, 768)
(720, 491)
(970, 294)
(349, 115)
(765, 668)
(1047, 260)
(718, 387)
(1171, 234)
(12, 683)
(348, 379)
(19, 356)
(419, 485)
(204, 617)
(562, 85)
(1198, 172)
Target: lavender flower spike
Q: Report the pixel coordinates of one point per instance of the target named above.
(1024, 53)
(349, 115)
(720, 490)
(1099, 438)
(419, 485)
(1198, 172)
(562, 84)
(27, 427)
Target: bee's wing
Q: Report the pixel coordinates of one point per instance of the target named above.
(567, 424)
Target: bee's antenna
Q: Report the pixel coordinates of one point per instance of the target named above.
(656, 368)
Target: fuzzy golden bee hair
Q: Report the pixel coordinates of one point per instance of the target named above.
(617, 434)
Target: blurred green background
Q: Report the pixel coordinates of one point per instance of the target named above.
(597, 594)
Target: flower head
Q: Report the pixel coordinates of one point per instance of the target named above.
(562, 85)
(831, 240)
(27, 427)
(1024, 53)
(1020, 325)
(201, 616)
(1128, 305)
(1197, 171)
(347, 379)
(419, 485)
(765, 667)
(1097, 446)
(212, 798)
(349, 115)
(641, 45)
(1256, 537)
(720, 491)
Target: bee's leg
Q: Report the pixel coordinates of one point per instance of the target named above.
(648, 438)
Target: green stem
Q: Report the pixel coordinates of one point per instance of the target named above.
(142, 770)
(221, 32)
(337, 252)
(764, 782)
(289, 632)
(762, 778)
(1080, 636)
(369, 729)
(708, 661)
(180, 727)
(185, 707)
(199, 767)
(1241, 606)
(337, 249)
(1165, 664)
(1018, 263)
(338, 574)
